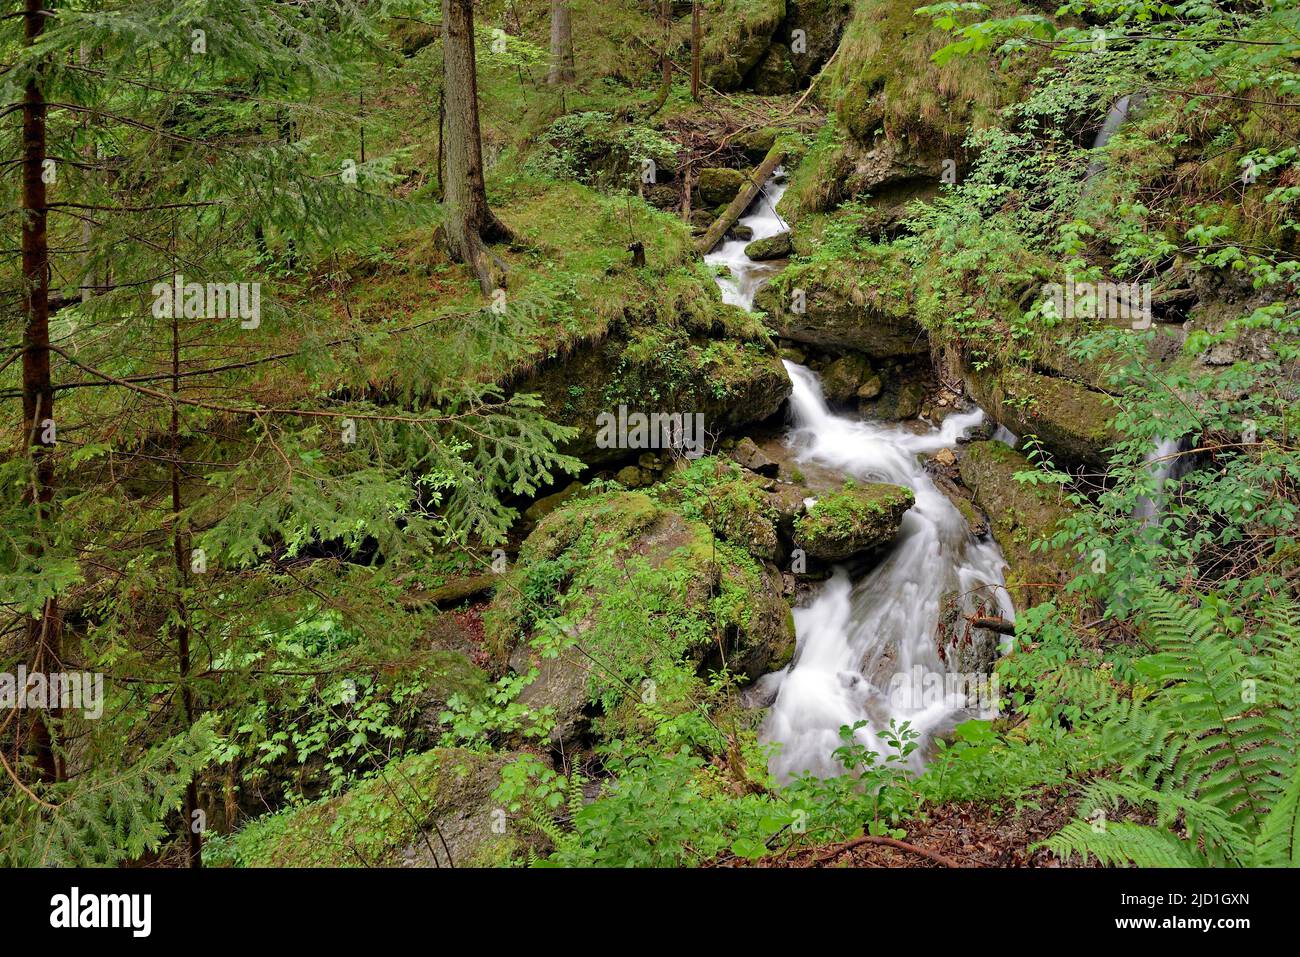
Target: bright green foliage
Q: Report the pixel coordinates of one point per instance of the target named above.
(1207, 741)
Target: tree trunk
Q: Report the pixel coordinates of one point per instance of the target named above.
(469, 222)
(561, 44)
(194, 829)
(741, 203)
(696, 43)
(43, 631)
(665, 64)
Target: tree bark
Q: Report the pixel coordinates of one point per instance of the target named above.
(696, 43)
(561, 44)
(470, 224)
(738, 205)
(665, 64)
(44, 630)
(182, 626)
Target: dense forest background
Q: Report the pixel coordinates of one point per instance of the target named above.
(312, 310)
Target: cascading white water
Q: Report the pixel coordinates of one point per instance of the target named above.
(1115, 118)
(1163, 463)
(856, 636)
(746, 275)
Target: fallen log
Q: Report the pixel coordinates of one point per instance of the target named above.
(741, 203)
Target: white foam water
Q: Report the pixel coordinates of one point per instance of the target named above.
(745, 275)
(854, 637)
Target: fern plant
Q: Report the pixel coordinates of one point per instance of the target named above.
(1206, 743)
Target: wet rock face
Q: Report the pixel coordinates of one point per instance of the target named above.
(813, 307)
(1071, 420)
(1019, 515)
(857, 519)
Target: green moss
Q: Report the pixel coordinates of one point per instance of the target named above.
(1020, 515)
(374, 823)
(853, 520)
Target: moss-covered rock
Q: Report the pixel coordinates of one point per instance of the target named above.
(775, 74)
(548, 503)
(1019, 515)
(844, 306)
(856, 519)
(415, 812)
(733, 505)
(822, 23)
(732, 378)
(1071, 420)
(773, 247)
(842, 379)
(718, 186)
(625, 587)
(739, 36)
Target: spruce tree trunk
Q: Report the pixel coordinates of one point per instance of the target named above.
(696, 44)
(43, 631)
(561, 44)
(469, 221)
(665, 64)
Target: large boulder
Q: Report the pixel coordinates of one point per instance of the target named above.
(842, 307)
(623, 587)
(1020, 515)
(846, 376)
(773, 247)
(427, 810)
(1069, 419)
(729, 381)
(854, 520)
(718, 186)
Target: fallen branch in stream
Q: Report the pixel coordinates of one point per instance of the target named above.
(887, 842)
(738, 205)
(991, 623)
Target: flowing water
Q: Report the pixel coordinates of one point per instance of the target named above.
(1115, 118)
(744, 275)
(1164, 463)
(856, 636)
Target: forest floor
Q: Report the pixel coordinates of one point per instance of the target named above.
(961, 833)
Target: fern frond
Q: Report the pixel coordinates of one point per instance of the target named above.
(1123, 843)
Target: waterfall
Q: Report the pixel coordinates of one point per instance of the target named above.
(746, 275)
(1114, 120)
(856, 639)
(1164, 463)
